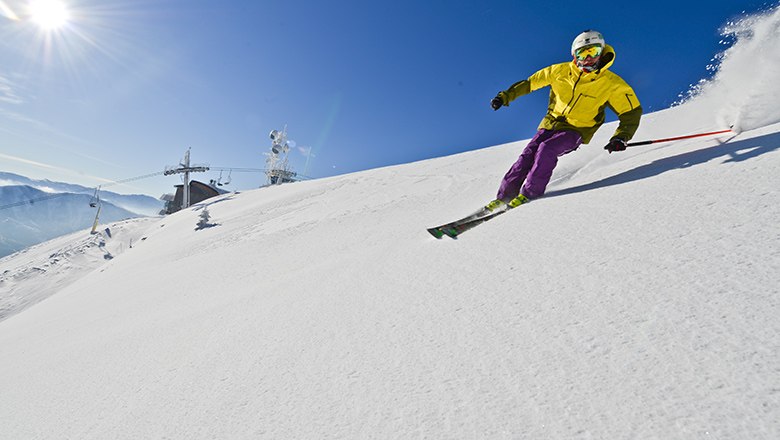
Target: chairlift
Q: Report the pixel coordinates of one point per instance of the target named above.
(95, 200)
(219, 179)
(227, 182)
(95, 203)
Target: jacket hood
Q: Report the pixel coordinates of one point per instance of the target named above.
(607, 59)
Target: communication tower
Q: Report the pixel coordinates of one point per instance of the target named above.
(277, 167)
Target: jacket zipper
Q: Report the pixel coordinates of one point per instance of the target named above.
(573, 89)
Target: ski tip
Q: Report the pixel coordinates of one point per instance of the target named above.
(436, 232)
(450, 232)
(441, 232)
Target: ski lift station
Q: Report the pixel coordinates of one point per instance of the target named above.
(198, 192)
(191, 191)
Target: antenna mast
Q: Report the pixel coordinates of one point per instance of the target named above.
(277, 167)
(186, 169)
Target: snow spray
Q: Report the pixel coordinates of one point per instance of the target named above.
(744, 86)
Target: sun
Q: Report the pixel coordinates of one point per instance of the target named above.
(49, 14)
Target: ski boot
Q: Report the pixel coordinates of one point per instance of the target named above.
(517, 201)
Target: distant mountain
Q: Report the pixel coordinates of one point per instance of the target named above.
(139, 204)
(50, 215)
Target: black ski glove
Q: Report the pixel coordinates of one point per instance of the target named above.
(498, 101)
(616, 144)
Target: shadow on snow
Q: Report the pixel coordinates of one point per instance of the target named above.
(736, 152)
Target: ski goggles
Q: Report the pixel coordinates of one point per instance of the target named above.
(593, 51)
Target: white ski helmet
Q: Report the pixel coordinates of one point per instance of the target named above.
(587, 38)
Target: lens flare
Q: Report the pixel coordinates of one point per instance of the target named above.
(7, 12)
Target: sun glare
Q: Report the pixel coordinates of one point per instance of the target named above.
(49, 14)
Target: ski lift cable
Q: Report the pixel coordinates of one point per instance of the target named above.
(54, 196)
(33, 201)
(133, 179)
(238, 170)
(252, 170)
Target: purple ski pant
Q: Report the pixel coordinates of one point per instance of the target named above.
(536, 163)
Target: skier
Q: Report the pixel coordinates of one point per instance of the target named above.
(579, 92)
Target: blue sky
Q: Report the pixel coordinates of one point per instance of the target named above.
(126, 86)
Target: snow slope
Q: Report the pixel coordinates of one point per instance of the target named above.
(638, 299)
(37, 272)
(33, 211)
(28, 223)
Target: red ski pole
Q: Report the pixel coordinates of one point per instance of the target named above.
(655, 141)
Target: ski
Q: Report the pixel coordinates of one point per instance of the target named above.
(439, 231)
(456, 230)
(480, 216)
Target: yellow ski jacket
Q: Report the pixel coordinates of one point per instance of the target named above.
(578, 98)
